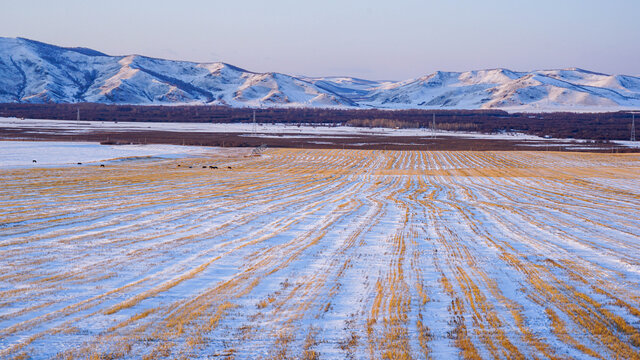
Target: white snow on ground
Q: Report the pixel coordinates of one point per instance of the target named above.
(337, 253)
(22, 153)
(71, 127)
(269, 130)
(633, 144)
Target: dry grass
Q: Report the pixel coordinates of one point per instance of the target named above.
(469, 251)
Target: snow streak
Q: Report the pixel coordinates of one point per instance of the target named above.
(324, 254)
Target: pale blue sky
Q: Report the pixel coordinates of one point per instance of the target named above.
(394, 39)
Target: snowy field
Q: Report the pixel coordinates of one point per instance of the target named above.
(267, 130)
(66, 127)
(79, 127)
(323, 254)
(22, 153)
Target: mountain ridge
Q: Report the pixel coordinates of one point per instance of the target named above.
(37, 72)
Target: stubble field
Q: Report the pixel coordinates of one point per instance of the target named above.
(322, 254)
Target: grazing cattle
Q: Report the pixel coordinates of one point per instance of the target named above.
(79, 163)
(178, 165)
(190, 167)
(228, 167)
(215, 167)
(212, 167)
(101, 165)
(204, 167)
(34, 161)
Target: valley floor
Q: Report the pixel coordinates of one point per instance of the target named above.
(291, 136)
(327, 254)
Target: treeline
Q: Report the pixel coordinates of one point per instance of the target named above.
(596, 126)
(403, 124)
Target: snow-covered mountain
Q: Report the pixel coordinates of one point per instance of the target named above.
(501, 88)
(31, 71)
(35, 72)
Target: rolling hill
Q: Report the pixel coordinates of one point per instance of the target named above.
(35, 72)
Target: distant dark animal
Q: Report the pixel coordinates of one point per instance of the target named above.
(212, 167)
(101, 165)
(34, 161)
(79, 163)
(228, 167)
(178, 165)
(204, 167)
(190, 167)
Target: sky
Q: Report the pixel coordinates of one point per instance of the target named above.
(373, 39)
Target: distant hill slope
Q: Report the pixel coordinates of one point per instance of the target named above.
(35, 72)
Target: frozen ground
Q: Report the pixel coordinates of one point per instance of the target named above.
(71, 127)
(22, 153)
(325, 134)
(328, 254)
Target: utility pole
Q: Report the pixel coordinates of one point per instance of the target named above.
(633, 127)
(254, 123)
(433, 126)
